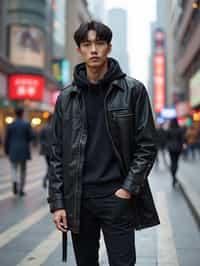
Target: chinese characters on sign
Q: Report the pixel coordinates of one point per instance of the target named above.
(23, 87)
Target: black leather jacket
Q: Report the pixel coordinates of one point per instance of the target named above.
(131, 129)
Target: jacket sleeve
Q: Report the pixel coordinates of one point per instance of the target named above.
(55, 173)
(145, 142)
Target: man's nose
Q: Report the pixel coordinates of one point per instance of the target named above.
(93, 48)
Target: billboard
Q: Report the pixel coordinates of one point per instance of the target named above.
(27, 46)
(159, 81)
(26, 87)
(61, 71)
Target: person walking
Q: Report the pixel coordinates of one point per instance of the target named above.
(17, 146)
(161, 144)
(175, 143)
(191, 136)
(44, 137)
(102, 150)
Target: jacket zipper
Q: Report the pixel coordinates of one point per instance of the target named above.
(82, 143)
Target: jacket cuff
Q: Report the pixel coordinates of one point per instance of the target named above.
(56, 205)
(132, 188)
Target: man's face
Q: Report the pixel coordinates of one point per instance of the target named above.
(94, 52)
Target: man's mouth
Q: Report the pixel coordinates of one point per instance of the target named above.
(94, 58)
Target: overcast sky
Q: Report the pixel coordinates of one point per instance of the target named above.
(140, 14)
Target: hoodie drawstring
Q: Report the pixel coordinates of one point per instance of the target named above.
(64, 246)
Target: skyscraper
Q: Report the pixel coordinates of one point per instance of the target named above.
(117, 20)
(97, 9)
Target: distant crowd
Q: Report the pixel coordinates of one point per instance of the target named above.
(179, 142)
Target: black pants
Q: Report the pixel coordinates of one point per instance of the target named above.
(21, 180)
(114, 216)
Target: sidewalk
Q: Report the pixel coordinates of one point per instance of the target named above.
(189, 179)
(188, 176)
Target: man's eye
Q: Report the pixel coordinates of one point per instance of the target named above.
(86, 44)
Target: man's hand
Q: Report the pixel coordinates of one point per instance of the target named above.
(60, 220)
(123, 193)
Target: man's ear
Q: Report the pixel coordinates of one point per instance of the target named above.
(109, 48)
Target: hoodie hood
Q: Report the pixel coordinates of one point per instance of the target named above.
(114, 72)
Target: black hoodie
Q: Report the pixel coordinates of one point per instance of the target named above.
(101, 173)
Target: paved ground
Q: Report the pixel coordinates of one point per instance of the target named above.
(28, 236)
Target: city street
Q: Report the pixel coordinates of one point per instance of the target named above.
(28, 236)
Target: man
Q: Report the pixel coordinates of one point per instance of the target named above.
(161, 144)
(102, 151)
(17, 146)
(45, 136)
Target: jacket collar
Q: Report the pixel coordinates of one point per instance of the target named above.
(119, 83)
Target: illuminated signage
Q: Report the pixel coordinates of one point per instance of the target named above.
(159, 81)
(168, 113)
(26, 87)
(159, 38)
(61, 71)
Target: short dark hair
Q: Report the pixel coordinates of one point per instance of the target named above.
(19, 111)
(103, 32)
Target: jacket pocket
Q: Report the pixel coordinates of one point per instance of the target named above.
(122, 114)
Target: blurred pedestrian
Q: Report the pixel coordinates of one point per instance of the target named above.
(198, 140)
(161, 144)
(191, 137)
(102, 150)
(45, 138)
(17, 146)
(175, 142)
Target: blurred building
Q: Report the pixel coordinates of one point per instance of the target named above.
(67, 16)
(183, 20)
(97, 9)
(25, 76)
(37, 53)
(151, 69)
(117, 20)
(77, 13)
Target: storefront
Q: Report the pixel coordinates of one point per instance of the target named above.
(195, 90)
(3, 96)
(195, 97)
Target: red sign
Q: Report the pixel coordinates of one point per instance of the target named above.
(159, 81)
(26, 87)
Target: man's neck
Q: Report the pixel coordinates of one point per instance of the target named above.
(96, 73)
